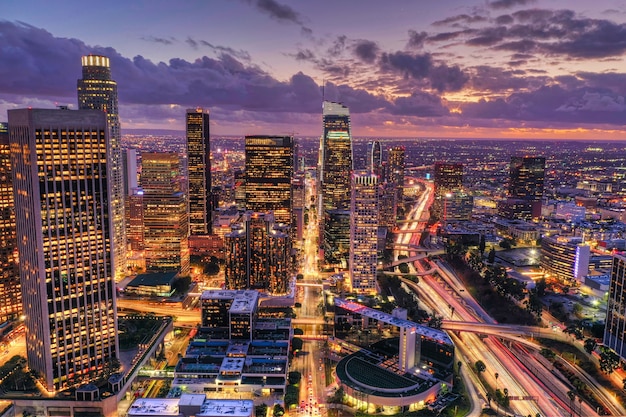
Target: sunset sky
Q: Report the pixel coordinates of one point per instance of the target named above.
(414, 68)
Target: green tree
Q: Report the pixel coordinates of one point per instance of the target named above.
(590, 345)
(609, 361)
(491, 258)
(482, 245)
(505, 244)
(540, 287)
(296, 344)
(278, 410)
(294, 377)
(260, 410)
(480, 366)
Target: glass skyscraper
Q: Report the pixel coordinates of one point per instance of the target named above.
(199, 171)
(334, 169)
(96, 90)
(61, 175)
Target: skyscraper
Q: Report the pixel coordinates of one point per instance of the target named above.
(96, 90)
(165, 216)
(199, 171)
(59, 158)
(374, 157)
(448, 178)
(334, 168)
(526, 179)
(258, 254)
(268, 175)
(10, 289)
(395, 166)
(615, 328)
(451, 202)
(364, 232)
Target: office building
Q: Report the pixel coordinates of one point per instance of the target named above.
(374, 157)
(337, 238)
(199, 171)
(525, 191)
(10, 289)
(134, 219)
(64, 242)
(165, 216)
(448, 178)
(565, 258)
(451, 202)
(96, 90)
(268, 176)
(615, 328)
(395, 170)
(131, 177)
(364, 232)
(258, 254)
(334, 165)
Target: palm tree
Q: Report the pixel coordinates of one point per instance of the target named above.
(572, 395)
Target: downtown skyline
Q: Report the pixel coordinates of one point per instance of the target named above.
(491, 69)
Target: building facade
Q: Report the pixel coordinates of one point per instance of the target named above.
(97, 90)
(165, 216)
(615, 328)
(525, 191)
(450, 203)
(199, 171)
(565, 258)
(364, 232)
(395, 170)
(10, 288)
(268, 176)
(61, 183)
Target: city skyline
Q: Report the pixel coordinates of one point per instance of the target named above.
(486, 69)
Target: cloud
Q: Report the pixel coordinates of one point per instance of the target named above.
(163, 41)
(459, 20)
(507, 4)
(366, 51)
(281, 13)
(218, 49)
(419, 104)
(416, 39)
(421, 66)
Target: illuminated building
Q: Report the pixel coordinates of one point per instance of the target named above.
(165, 215)
(199, 171)
(61, 185)
(258, 254)
(96, 90)
(395, 170)
(374, 157)
(299, 205)
(337, 238)
(387, 206)
(130, 168)
(268, 175)
(134, 220)
(566, 259)
(334, 166)
(417, 370)
(450, 203)
(10, 289)
(526, 178)
(615, 328)
(364, 232)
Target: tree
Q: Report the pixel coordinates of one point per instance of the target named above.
(278, 410)
(577, 309)
(294, 377)
(609, 361)
(533, 304)
(260, 410)
(296, 344)
(481, 245)
(590, 345)
(480, 366)
(505, 244)
(540, 287)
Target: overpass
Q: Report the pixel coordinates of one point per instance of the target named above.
(505, 330)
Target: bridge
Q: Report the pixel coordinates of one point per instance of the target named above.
(505, 330)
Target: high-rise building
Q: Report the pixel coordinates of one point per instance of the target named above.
(96, 90)
(258, 254)
(268, 175)
(199, 171)
(337, 238)
(364, 232)
(134, 214)
(10, 289)
(165, 216)
(131, 174)
(374, 157)
(334, 166)
(450, 203)
(395, 169)
(61, 185)
(615, 328)
(526, 180)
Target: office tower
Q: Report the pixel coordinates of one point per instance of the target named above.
(10, 289)
(525, 188)
(450, 203)
(615, 328)
(239, 188)
(565, 258)
(199, 171)
(298, 205)
(395, 169)
(96, 90)
(387, 206)
(258, 254)
(364, 232)
(63, 235)
(131, 174)
(134, 214)
(334, 165)
(165, 216)
(374, 157)
(268, 175)
(336, 238)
